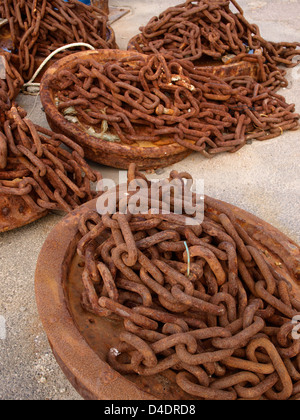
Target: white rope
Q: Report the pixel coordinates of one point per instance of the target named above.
(3, 22)
(65, 47)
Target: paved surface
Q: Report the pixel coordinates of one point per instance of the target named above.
(262, 178)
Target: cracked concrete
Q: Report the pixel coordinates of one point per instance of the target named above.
(262, 178)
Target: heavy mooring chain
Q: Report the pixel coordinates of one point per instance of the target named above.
(4, 99)
(10, 79)
(35, 167)
(204, 28)
(204, 301)
(149, 99)
(39, 27)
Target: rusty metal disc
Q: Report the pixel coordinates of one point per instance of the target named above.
(80, 341)
(6, 46)
(15, 213)
(144, 154)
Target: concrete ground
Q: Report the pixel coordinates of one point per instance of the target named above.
(262, 178)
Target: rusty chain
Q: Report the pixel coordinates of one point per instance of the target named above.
(224, 329)
(38, 28)
(198, 29)
(12, 82)
(149, 99)
(34, 166)
(4, 99)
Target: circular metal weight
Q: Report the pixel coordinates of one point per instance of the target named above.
(146, 156)
(80, 341)
(15, 213)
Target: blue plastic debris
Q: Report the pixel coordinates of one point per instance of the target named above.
(88, 2)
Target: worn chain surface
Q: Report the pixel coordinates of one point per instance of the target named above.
(224, 329)
(4, 99)
(11, 85)
(205, 28)
(35, 167)
(151, 99)
(38, 28)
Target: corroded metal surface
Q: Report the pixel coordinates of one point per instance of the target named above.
(195, 298)
(7, 46)
(10, 80)
(39, 60)
(37, 175)
(144, 100)
(146, 156)
(102, 4)
(80, 340)
(15, 213)
(197, 29)
(214, 67)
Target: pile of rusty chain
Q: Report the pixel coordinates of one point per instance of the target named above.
(150, 98)
(11, 83)
(39, 27)
(34, 166)
(201, 300)
(206, 28)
